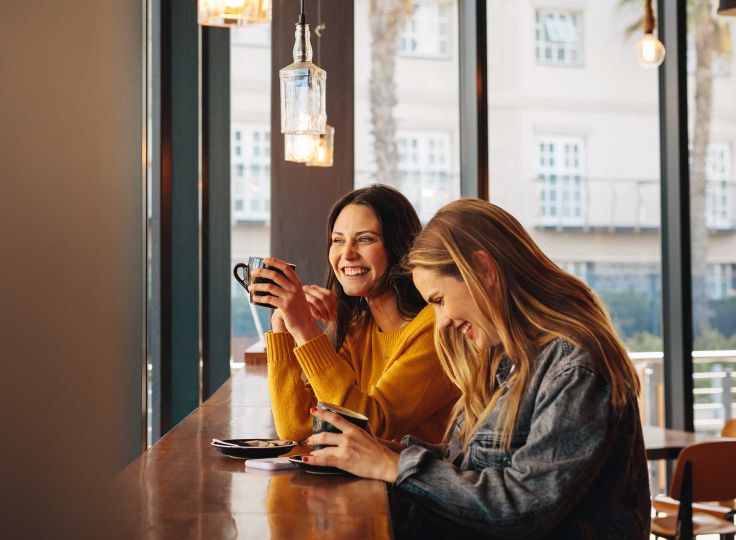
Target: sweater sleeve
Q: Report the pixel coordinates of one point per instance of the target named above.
(411, 390)
(291, 398)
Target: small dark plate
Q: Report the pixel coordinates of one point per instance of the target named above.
(315, 469)
(250, 450)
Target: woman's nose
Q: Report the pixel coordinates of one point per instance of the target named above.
(443, 323)
(349, 251)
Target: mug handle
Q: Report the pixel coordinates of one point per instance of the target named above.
(246, 274)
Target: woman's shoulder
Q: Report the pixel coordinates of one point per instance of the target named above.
(562, 355)
(422, 322)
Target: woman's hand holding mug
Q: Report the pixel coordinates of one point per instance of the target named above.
(287, 294)
(322, 304)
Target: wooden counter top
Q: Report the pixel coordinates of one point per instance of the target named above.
(184, 488)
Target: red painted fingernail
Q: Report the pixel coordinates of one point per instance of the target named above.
(313, 410)
(305, 459)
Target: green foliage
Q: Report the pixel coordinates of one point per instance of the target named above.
(643, 342)
(723, 315)
(632, 312)
(712, 340)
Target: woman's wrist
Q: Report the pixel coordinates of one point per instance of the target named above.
(391, 467)
(305, 333)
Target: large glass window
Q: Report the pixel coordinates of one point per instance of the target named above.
(250, 144)
(711, 91)
(406, 100)
(574, 155)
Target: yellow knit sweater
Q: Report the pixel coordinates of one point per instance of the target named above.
(394, 378)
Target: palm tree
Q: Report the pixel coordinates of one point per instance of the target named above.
(711, 37)
(386, 19)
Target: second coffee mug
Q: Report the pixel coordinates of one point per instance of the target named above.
(248, 278)
(319, 425)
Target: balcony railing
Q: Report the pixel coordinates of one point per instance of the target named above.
(618, 204)
(714, 374)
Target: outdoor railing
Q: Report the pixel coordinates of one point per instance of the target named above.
(714, 374)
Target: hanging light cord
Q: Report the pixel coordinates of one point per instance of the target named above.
(302, 16)
(648, 17)
(318, 31)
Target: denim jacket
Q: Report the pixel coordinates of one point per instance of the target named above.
(576, 468)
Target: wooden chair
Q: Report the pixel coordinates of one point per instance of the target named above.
(713, 465)
(729, 428)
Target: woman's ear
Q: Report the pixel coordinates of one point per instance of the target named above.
(488, 267)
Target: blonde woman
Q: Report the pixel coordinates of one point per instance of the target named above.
(545, 440)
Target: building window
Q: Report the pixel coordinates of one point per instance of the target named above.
(558, 38)
(424, 165)
(721, 281)
(251, 166)
(426, 31)
(560, 171)
(719, 187)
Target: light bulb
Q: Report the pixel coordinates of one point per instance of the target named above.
(651, 51)
(233, 13)
(300, 148)
(325, 146)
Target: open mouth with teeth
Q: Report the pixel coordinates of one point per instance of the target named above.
(352, 271)
(467, 329)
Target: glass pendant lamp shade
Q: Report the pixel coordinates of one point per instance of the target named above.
(324, 149)
(727, 7)
(300, 148)
(231, 13)
(303, 90)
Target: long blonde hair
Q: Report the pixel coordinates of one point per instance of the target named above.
(532, 302)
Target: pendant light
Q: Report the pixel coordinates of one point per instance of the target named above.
(300, 148)
(651, 50)
(324, 148)
(303, 87)
(233, 13)
(325, 144)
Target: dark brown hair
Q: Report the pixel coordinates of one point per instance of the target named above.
(399, 226)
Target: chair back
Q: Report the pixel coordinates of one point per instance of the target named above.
(713, 471)
(729, 428)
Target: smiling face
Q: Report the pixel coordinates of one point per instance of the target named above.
(454, 308)
(357, 254)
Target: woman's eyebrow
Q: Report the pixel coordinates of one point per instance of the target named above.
(356, 233)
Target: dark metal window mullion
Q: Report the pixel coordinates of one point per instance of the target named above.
(675, 200)
(179, 280)
(215, 209)
(473, 99)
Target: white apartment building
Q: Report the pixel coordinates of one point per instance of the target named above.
(573, 135)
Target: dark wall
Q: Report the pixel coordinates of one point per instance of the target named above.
(71, 259)
(301, 197)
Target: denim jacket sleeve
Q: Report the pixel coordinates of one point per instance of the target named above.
(529, 490)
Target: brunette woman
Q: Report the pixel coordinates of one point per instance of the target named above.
(377, 356)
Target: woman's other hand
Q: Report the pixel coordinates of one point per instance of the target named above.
(287, 295)
(277, 321)
(355, 450)
(322, 302)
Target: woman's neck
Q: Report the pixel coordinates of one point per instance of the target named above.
(385, 312)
